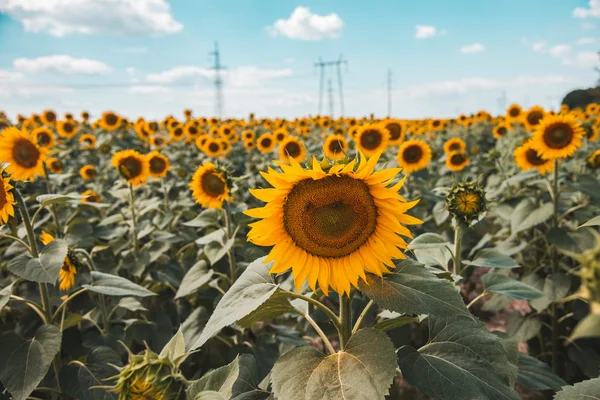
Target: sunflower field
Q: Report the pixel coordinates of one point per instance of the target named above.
(316, 258)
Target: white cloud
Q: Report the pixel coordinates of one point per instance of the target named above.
(425, 31)
(586, 40)
(130, 70)
(122, 17)
(304, 25)
(147, 89)
(583, 59)
(253, 76)
(592, 11)
(560, 50)
(539, 47)
(181, 74)
(62, 64)
(9, 76)
(473, 48)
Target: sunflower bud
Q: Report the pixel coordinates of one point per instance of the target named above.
(149, 377)
(466, 201)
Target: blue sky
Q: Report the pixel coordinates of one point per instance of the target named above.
(151, 57)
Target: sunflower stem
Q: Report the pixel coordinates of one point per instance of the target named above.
(362, 316)
(319, 331)
(53, 206)
(554, 261)
(334, 318)
(16, 239)
(92, 266)
(457, 248)
(476, 299)
(165, 194)
(133, 221)
(345, 320)
(230, 255)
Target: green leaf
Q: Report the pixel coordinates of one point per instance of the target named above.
(537, 375)
(24, 364)
(196, 277)
(5, 295)
(165, 237)
(175, 348)
(428, 241)
(208, 395)
(592, 222)
(523, 328)
(215, 236)
(586, 390)
(393, 323)
(411, 289)
(46, 268)
(194, 324)
(229, 381)
(254, 286)
(113, 285)
(587, 184)
(554, 289)
(492, 258)
(462, 360)
(48, 199)
(278, 304)
(205, 219)
(527, 215)
(214, 251)
(502, 284)
(364, 370)
(588, 327)
(131, 304)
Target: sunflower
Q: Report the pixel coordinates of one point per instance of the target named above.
(335, 147)
(187, 113)
(593, 160)
(141, 129)
(201, 141)
(557, 136)
(68, 270)
(55, 165)
(526, 157)
(371, 139)
(85, 116)
(591, 132)
(191, 130)
(177, 133)
(212, 147)
(280, 135)
(25, 157)
(435, 125)
(514, 112)
(466, 201)
(209, 186)
(533, 116)
(66, 129)
(132, 166)
(397, 131)
(457, 161)
(332, 226)
(88, 172)
(291, 147)
(225, 145)
(249, 144)
(454, 144)
(158, 164)
(87, 141)
(43, 137)
(7, 199)
(158, 141)
(48, 117)
(248, 135)
(500, 130)
(265, 143)
(110, 121)
(414, 155)
(92, 197)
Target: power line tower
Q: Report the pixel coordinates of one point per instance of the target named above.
(389, 89)
(322, 65)
(218, 81)
(330, 90)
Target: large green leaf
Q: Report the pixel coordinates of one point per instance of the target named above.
(363, 371)
(586, 390)
(554, 288)
(205, 219)
(254, 286)
(214, 250)
(48, 199)
(113, 285)
(46, 268)
(411, 289)
(462, 361)
(502, 284)
(527, 215)
(588, 327)
(428, 241)
(278, 304)
(175, 348)
(492, 258)
(24, 363)
(196, 277)
(592, 222)
(537, 375)
(5, 295)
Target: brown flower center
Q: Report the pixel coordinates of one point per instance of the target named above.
(370, 139)
(43, 139)
(335, 146)
(212, 184)
(514, 112)
(292, 149)
(558, 135)
(111, 119)
(157, 165)
(50, 116)
(214, 147)
(533, 158)
(458, 159)
(501, 130)
(265, 143)
(130, 167)
(25, 153)
(412, 154)
(534, 117)
(395, 130)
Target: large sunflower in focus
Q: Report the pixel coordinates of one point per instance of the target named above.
(332, 227)
(527, 158)
(132, 166)
(335, 147)
(209, 186)
(557, 136)
(25, 157)
(414, 155)
(291, 147)
(371, 139)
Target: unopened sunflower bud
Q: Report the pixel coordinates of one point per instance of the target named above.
(466, 201)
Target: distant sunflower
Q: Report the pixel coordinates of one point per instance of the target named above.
(397, 131)
(332, 227)
(249, 144)
(158, 164)
(191, 130)
(43, 137)
(212, 147)
(280, 135)
(335, 147)
(177, 133)
(55, 165)
(353, 131)
(591, 132)
(225, 146)
(291, 147)
(7, 199)
(201, 141)
(435, 124)
(110, 121)
(500, 130)
(92, 197)
(66, 129)
(226, 130)
(25, 157)
(557, 137)
(265, 143)
(48, 117)
(85, 116)
(141, 129)
(457, 161)
(533, 116)
(132, 166)
(68, 270)
(593, 160)
(372, 139)
(514, 113)
(454, 144)
(158, 141)
(187, 113)
(87, 141)
(209, 186)
(248, 135)
(88, 172)
(526, 157)
(414, 155)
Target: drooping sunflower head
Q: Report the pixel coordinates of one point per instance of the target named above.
(24, 157)
(87, 141)
(88, 172)
(414, 155)
(372, 139)
(533, 116)
(132, 166)
(526, 157)
(43, 137)
(110, 121)
(55, 165)
(593, 160)
(397, 131)
(557, 136)
(335, 147)
(457, 161)
(265, 143)
(210, 186)
(332, 226)
(500, 130)
(158, 164)
(66, 129)
(92, 197)
(7, 199)
(466, 201)
(292, 147)
(454, 144)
